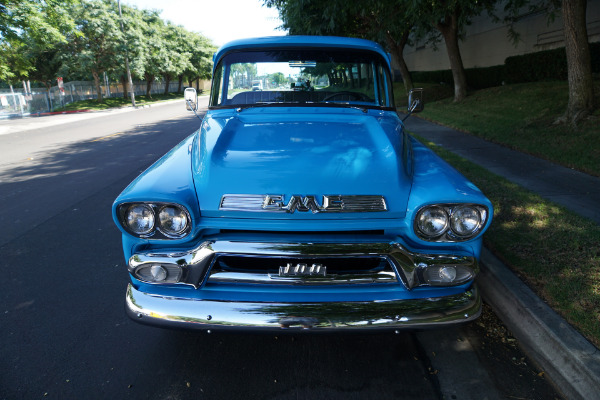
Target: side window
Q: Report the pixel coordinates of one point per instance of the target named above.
(216, 87)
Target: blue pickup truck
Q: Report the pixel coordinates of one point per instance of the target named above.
(302, 210)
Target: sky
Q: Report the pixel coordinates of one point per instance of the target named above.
(219, 20)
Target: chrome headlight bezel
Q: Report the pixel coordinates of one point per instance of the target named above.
(158, 231)
(452, 210)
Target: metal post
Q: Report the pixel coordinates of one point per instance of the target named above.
(127, 60)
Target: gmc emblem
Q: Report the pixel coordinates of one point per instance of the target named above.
(276, 203)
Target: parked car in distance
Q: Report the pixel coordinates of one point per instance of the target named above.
(257, 85)
(302, 210)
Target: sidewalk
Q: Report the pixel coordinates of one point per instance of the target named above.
(570, 361)
(14, 125)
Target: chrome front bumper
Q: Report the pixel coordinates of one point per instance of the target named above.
(327, 316)
(195, 263)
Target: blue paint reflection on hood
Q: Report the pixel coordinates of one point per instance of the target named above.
(308, 151)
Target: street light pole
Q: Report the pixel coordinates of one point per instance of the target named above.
(127, 60)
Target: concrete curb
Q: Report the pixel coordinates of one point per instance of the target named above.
(43, 114)
(569, 360)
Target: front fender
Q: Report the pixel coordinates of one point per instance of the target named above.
(437, 182)
(169, 179)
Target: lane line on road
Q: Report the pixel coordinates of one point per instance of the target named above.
(107, 136)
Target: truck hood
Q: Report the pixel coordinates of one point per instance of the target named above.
(310, 152)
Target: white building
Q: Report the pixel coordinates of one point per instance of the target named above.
(486, 43)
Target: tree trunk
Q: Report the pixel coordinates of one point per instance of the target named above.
(149, 82)
(330, 77)
(124, 83)
(198, 85)
(190, 83)
(97, 84)
(397, 50)
(448, 27)
(167, 83)
(579, 65)
(180, 83)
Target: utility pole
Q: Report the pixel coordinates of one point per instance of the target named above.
(127, 60)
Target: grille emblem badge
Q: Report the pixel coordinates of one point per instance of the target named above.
(302, 270)
(277, 203)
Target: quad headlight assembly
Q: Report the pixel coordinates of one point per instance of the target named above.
(450, 222)
(155, 220)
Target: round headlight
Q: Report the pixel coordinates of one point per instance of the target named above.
(432, 221)
(140, 219)
(173, 220)
(465, 220)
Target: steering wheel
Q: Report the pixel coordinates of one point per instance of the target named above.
(357, 96)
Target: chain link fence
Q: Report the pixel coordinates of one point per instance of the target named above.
(18, 103)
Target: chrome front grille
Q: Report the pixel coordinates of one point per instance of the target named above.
(345, 262)
(302, 270)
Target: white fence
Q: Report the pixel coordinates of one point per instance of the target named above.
(19, 103)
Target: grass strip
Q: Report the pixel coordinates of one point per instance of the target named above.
(556, 252)
(112, 102)
(522, 117)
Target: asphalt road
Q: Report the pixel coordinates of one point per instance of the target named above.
(64, 333)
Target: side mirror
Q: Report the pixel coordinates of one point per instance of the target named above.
(415, 101)
(191, 99)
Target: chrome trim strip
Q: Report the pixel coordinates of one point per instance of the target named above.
(338, 279)
(393, 314)
(276, 203)
(196, 262)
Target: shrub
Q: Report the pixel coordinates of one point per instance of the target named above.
(548, 65)
(477, 78)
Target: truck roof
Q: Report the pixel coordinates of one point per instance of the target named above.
(300, 41)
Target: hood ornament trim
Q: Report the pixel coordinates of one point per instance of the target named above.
(276, 203)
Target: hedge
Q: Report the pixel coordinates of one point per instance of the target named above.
(477, 78)
(549, 65)
(533, 67)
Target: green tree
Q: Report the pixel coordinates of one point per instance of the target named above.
(97, 42)
(579, 65)
(384, 21)
(277, 78)
(201, 49)
(27, 26)
(45, 65)
(449, 18)
(155, 54)
(133, 46)
(176, 56)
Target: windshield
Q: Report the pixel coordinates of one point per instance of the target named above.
(303, 77)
